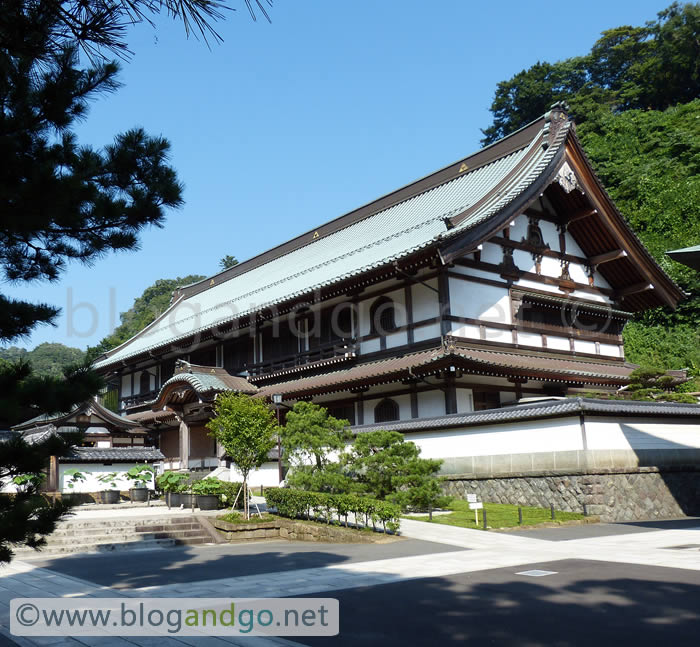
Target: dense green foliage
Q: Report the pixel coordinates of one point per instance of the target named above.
(634, 97)
(46, 359)
(650, 67)
(312, 440)
(299, 503)
(150, 305)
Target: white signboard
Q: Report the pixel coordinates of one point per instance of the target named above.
(471, 498)
(476, 506)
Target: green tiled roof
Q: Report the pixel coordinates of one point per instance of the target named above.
(381, 238)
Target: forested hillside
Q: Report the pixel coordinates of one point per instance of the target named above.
(153, 302)
(46, 359)
(634, 97)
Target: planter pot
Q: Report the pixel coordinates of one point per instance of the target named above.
(173, 499)
(138, 493)
(109, 496)
(208, 501)
(187, 499)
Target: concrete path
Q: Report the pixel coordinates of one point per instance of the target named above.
(480, 551)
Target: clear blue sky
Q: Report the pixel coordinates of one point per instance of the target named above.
(287, 125)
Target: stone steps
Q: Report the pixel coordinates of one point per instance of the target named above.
(113, 535)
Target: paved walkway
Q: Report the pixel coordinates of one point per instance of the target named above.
(475, 551)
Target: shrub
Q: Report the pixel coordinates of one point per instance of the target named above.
(299, 503)
(171, 481)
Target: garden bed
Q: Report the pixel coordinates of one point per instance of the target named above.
(274, 527)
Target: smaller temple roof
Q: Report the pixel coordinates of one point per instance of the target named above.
(113, 455)
(689, 256)
(90, 407)
(546, 408)
(203, 381)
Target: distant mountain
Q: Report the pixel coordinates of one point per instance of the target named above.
(46, 359)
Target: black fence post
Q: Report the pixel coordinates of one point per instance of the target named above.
(585, 510)
(520, 516)
(485, 524)
(551, 507)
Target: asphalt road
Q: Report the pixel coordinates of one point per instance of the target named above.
(565, 533)
(584, 604)
(126, 570)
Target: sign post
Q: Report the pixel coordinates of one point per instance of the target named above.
(475, 505)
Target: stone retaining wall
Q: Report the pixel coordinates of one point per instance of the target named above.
(631, 494)
(296, 531)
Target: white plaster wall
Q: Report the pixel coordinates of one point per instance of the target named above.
(267, 476)
(469, 331)
(397, 339)
(551, 267)
(426, 332)
(583, 346)
(491, 253)
(610, 349)
(550, 234)
(465, 400)
(431, 404)
(91, 484)
(639, 433)
(370, 346)
(558, 343)
(126, 385)
(478, 301)
(513, 438)
(425, 300)
(529, 339)
(498, 335)
(523, 260)
(518, 229)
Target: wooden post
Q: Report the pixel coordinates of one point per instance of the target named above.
(184, 445)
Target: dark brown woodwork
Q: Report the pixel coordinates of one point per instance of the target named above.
(444, 300)
(580, 215)
(607, 257)
(633, 289)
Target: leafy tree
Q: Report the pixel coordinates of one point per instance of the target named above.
(150, 305)
(312, 440)
(63, 201)
(387, 466)
(651, 67)
(247, 430)
(228, 261)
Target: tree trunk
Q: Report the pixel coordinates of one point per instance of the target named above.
(246, 514)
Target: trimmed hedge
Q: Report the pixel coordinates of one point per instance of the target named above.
(300, 503)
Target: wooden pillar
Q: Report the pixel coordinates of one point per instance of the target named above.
(450, 393)
(184, 445)
(408, 298)
(414, 400)
(52, 483)
(444, 301)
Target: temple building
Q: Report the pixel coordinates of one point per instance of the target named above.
(503, 277)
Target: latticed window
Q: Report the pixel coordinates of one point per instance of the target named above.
(382, 317)
(145, 382)
(386, 411)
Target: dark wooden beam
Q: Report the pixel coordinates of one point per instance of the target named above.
(580, 215)
(633, 289)
(607, 257)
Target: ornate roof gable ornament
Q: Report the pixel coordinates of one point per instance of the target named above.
(557, 116)
(567, 178)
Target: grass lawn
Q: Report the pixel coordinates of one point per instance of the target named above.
(498, 515)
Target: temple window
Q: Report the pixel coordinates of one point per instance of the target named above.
(382, 317)
(386, 411)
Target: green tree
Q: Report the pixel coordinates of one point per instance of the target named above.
(312, 441)
(247, 430)
(387, 466)
(650, 67)
(47, 359)
(61, 201)
(228, 261)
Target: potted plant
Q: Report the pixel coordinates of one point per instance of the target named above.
(172, 484)
(110, 495)
(141, 476)
(207, 491)
(76, 477)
